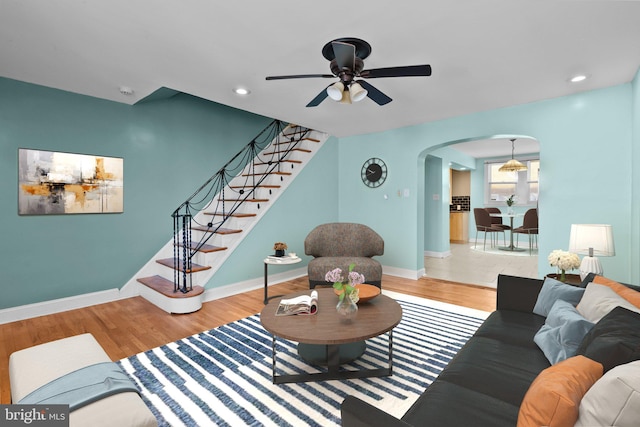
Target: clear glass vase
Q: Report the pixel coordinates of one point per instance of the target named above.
(347, 309)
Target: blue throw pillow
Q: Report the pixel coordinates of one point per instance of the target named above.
(562, 333)
(553, 290)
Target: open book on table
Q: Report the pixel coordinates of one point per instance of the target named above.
(304, 304)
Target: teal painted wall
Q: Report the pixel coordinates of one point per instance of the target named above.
(394, 217)
(170, 147)
(436, 189)
(580, 137)
(436, 212)
(59, 256)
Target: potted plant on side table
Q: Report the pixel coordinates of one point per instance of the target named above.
(279, 247)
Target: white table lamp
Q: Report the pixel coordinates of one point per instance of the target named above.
(591, 240)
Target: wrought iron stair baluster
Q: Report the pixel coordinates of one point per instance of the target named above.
(248, 159)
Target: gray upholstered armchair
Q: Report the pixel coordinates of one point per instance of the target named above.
(340, 244)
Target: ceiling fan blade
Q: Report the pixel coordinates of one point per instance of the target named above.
(408, 71)
(373, 93)
(300, 76)
(345, 54)
(319, 98)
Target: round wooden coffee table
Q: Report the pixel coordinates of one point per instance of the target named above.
(328, 329)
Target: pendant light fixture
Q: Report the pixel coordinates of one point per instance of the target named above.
(512, 165)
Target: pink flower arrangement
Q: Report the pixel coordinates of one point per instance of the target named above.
(353, 278)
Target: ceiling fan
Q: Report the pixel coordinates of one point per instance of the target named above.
(346, 56)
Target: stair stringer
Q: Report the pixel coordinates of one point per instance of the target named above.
(215, 260)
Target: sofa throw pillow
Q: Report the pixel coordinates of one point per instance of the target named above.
(614, 340)
(625, 292)
(562, 333)
(554, 396)
(553, 290)
(599, 300)
(613, 400)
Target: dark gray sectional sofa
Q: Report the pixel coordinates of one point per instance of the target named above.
(485, 383)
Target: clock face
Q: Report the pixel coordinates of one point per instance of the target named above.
(374, 172)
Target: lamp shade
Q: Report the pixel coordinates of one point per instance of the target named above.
(358, 93)
(335, 91)
(592, 240)
(346, 97)
(512, 166)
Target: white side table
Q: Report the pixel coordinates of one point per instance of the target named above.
(272, 260)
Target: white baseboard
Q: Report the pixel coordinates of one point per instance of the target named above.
(251, 284)
(44, 308)
(13, 314)
(432, 254)
(402, 272)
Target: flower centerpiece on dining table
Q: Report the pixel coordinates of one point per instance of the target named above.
(563, 261)
(346, 286)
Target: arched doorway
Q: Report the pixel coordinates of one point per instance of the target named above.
(457, 261)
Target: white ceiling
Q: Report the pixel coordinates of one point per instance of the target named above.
(484, 54)
(498, 147)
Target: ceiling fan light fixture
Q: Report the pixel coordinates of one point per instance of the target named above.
(358, 93)
(335, 91)
(346, 61)
(346, 97)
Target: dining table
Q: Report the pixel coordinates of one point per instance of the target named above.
(511, 216)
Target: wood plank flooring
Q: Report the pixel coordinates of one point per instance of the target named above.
(134, 325)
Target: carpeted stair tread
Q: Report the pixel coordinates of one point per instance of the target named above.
(180, 267)
(166, 288)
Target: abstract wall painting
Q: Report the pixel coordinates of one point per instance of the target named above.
(63, 183)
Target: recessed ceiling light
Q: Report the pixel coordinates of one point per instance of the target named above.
(126, 90)
(578, 78)
(241, 91)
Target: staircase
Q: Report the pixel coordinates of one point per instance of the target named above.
(207, 229)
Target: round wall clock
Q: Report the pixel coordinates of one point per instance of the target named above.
(374, 172)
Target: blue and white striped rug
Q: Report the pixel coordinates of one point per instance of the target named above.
(223, 376)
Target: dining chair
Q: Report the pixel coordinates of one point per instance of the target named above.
(497, 220)
(529, 227)
(483, 223)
